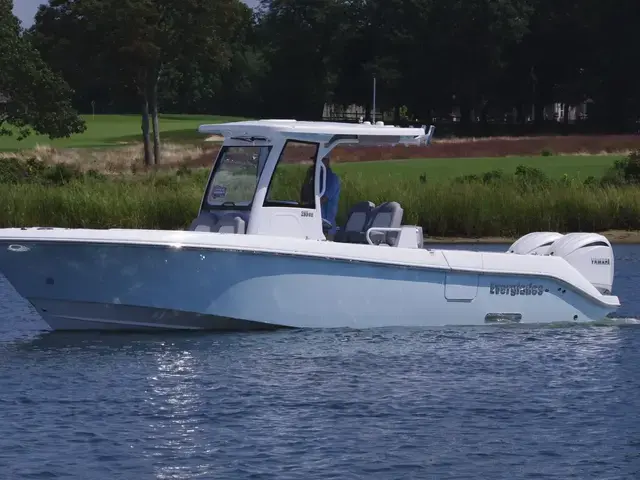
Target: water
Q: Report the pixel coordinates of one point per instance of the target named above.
(481, 403)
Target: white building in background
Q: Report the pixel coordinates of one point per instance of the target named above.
(555, 111)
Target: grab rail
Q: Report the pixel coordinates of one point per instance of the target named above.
(323, 172)
(381, 230)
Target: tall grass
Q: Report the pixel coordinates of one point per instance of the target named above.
(505, 209)
(93, 204)
(493, 204)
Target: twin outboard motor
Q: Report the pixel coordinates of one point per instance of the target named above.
(589, 253)
(536, 243)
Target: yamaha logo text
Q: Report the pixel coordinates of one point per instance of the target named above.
(600, 261)
(514, 289)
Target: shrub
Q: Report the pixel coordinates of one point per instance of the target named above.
(625, 171)
(14, 171)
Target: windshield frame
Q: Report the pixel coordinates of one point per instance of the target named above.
(264, 151)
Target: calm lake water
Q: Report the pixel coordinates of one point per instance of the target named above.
(481, 403)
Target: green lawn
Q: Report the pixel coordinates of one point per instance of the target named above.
(113, 130)
(575, 166)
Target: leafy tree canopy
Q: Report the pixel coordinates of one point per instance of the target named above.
(32, 96)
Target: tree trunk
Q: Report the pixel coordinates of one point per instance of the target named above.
(484, 114)
(538, 109)
(520, 115)
(148, 159)
(154, 119)
(465, 116)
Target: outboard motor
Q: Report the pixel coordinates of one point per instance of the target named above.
(589, 253)
(536, 243)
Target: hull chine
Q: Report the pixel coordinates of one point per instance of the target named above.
(63, 315)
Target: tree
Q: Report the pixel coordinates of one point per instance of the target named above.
(143, 42)
(386, 39)
(33, 97)
(615, 61)
(473, 36)
(292, 57)
(302, 44)
(549, 64)
(75, 49)
(224, 84)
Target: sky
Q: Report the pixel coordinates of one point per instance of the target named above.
(25, 10)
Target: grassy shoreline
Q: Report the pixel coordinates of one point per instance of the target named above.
(485, 209)
(474, 206)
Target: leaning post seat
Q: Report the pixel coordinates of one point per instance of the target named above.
(354, 227)
(385, 215)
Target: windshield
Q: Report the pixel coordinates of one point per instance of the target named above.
(236, 175)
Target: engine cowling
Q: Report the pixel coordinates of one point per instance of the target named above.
(589, 253)
(535, 243)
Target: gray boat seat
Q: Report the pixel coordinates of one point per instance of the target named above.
(231, 224)
(204, 222)
(228, 223)
(385, 215)
(354, 227)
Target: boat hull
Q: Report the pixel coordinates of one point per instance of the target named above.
(92, 286)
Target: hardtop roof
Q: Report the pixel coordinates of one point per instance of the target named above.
(324, 130)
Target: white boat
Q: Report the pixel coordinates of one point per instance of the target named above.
(257, 257)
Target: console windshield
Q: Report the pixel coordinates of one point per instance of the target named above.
(236, 176)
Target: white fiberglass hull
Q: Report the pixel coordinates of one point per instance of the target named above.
(192, 280)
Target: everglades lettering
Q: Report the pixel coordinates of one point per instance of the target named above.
(514, 289)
